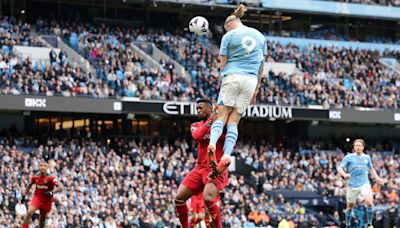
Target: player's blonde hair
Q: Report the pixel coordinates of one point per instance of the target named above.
(237, 14)
(359, 140)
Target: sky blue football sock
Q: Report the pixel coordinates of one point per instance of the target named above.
(216, 131)
(348, 217)
(370, 215)
(230, 138)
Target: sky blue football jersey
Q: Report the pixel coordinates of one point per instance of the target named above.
(245, 48)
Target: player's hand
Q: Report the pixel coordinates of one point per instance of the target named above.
(380, 181)
(49, 193)
(346, 176)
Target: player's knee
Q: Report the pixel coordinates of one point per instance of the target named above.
(208, 196)
(179, 201)
(234, 118)
(369, 202)
(223, 112)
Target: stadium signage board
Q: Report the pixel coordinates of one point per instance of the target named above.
(264, 111)
(335, 115)
(181, 108)
(35, 102)
(365, 116)
(172, 108)
(176, 108)
(397, 117)
(189, 109)
(59, 104)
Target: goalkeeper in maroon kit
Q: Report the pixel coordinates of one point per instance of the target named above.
(198, 180)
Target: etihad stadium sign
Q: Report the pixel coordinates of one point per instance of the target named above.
(264, 111)
(271, 112)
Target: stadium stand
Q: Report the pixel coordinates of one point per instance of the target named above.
(132, 182)
(92, 175)
(332, 77)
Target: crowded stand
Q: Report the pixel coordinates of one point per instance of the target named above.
(332, 76)
(93, 172)
(131, 161)
(339, 77)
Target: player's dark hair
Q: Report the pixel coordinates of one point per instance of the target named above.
(204, 100)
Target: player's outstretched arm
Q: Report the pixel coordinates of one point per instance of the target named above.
(376, 176)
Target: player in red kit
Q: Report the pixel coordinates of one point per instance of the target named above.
(197, 211)
(198, 179)
(43, 196)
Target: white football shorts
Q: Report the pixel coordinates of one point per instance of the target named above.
(353, 193)
(236, 91)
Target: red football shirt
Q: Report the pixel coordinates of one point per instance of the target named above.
(43, 184)
(201, 133)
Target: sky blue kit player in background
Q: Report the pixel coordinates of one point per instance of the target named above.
(358, 166)
(242, 54)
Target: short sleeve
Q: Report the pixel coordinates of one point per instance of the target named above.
(224, 45)
(55, 181)
(369, 162)
(345, 162)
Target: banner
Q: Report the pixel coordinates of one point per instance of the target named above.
(60, 104)
(172, 108)
(371, 116)
(257, 111)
